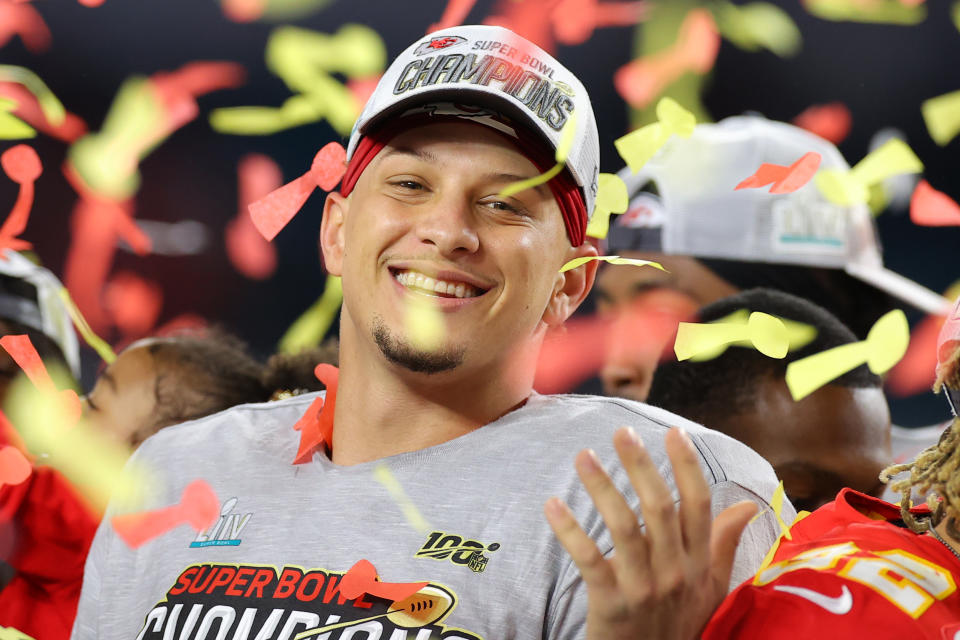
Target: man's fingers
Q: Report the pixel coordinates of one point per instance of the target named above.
(596, 571)
(628, 540)
(728, 526)
(664, 542)
(694, 496)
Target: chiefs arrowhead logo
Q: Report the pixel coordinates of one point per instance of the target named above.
(435, 44)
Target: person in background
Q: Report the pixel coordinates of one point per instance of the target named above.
(838, 436)
(860, 567)
(715, 240)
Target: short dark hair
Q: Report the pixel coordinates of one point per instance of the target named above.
(727, 385)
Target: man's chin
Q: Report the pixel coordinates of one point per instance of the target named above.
(400, 352)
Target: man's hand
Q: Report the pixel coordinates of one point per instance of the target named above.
(665, 578)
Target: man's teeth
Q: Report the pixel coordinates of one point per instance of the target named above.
(415, 280)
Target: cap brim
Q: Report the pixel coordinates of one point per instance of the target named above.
(901, 288)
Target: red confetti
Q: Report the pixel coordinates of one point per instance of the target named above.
(361, 579)
(571, 355)
(28, 109)
(526, 19)
(198, 507)
(272, 213)
(454, 14)
(932, 208)
(248, 251)
(22, 165)
(784, 179)
(316, 425)
(916, 371)
(21, 19)
(243, 10)
(829, 121)
(25, 355)
(641, 81)
(133, 303)
(574, 21)
(14, 467)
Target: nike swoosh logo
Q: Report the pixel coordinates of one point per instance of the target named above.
(838, 605)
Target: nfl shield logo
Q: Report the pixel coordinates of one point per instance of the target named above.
(477, 562)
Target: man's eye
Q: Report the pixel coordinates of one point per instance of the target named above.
(500, 205)
(412, 185)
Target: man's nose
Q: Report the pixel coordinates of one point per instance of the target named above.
(627, 380)
(449, 224)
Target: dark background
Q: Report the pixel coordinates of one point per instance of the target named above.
(882, 72)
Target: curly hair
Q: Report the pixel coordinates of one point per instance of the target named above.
(935, 472)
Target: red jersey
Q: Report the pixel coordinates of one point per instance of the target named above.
(848, 572)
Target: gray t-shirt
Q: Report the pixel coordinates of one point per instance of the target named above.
(270, 567)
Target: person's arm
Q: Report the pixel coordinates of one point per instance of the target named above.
(663, 580)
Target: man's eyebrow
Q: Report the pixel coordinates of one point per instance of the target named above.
(420, 154)
(542, 188)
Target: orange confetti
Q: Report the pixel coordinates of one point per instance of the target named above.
(243, 10)
(571, 355)
(639, 82)
(25, 355)
(454, 14)
(916, 372)
(362, 579)
(133, 303)
(22, 165)
(574, 21)
(316, 425)
(272, 213)
(248, 251)
(829, 121)
(28, 109)
(932, 208)
(14, 467)
(784, 179)
(198, 507)
(17, 18)
(526, 19)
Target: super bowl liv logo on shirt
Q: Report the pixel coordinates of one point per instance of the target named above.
(226, 530)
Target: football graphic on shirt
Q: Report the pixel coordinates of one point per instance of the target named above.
(422, 608)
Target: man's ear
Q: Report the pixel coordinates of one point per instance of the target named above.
(571, 287)
(331, 232)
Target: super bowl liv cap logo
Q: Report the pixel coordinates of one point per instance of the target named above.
(226, 531)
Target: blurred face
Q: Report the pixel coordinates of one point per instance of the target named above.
(645, 305)
(836, 437)
(425, 225)
(123, 401)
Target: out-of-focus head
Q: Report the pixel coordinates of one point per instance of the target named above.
(157, 382)
(458, 116)
(30, 304)
(838, 436)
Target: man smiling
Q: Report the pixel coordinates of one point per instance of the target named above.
(454, 428)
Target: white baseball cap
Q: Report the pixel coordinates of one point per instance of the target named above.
(489, 66)
(38, 306)
(704, 216)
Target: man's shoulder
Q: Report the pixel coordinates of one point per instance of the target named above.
(259, 427)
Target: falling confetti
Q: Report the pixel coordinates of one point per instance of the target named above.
(12, 127)
(454, 14)
(424, 321)
(637, 147)
(198, 507)
(21, 19)
(783, 179)
(942, 117)
(316, 424)
(829, 121)
(885, 345)
(881, 11)
(612, 197)
(759, 25)
(14, 467)
(853, 187)
(576, 262)
(104, 350)
(310, 328)
(563, 149)
(932, 208)
(384, 476)
(22, 165)
(766, 333)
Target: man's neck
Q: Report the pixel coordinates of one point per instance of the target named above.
(947, 536)
(382, 411)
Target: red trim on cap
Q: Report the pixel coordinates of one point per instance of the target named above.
(565, 190)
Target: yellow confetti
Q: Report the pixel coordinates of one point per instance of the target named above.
(882, 11)
(633, 262)
(413, 516)
(885, 345)
(847, 188)
(104, 350)
(942, 114)
(612, 197)
(51, 107)
(264, 121)
(768, 559)
(9, 633)
(12, 127)
(308, 330)
(766, 333)
(955, 14)
(637, 147)
(563, 149)
(425, 324)
(90, 459)
(798, 335)
(759, 24)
